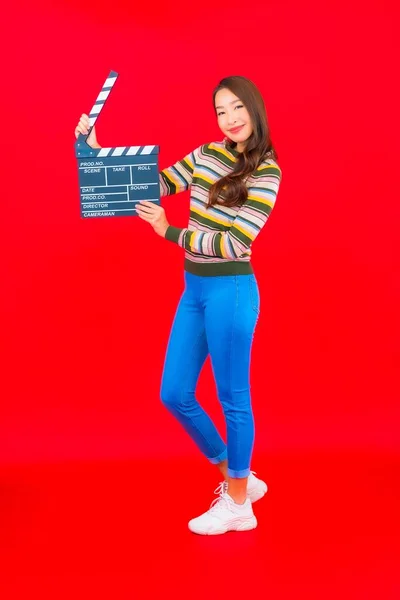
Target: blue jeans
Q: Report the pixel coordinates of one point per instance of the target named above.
(215, 316)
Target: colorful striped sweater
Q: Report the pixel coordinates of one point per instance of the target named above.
(218, 239)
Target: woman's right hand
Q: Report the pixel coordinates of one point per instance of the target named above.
(83, 127)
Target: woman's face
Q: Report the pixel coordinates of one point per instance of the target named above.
(233, 118)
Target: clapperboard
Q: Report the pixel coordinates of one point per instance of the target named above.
(113, 180)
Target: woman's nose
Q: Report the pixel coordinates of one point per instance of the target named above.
(232, 119)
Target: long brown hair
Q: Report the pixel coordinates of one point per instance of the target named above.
(232, 189)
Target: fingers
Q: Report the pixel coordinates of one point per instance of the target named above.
(146, 217)
(148, 206)
(84, 121)
(152, 214)
(83, 125)
(147, 210)
(143, 212)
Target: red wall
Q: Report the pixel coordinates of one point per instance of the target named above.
(87, 304)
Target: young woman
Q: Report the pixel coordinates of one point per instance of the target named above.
(234, 184)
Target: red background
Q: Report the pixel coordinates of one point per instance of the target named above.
(87, 304)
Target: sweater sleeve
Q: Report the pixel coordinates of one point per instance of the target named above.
(178, 177)
(250, 219)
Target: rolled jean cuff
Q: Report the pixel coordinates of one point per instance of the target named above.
(219, 458)
(238, 474)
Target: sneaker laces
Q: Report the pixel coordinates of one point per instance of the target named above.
(223, 489)
(221, 501)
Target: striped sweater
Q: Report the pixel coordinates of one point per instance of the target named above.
(218, 239)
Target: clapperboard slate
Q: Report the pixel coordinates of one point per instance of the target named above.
(112, 180)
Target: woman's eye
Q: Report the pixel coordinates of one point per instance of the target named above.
(222, 112)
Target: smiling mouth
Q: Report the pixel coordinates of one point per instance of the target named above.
(236, 129)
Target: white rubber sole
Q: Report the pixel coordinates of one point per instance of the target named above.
(234, 525)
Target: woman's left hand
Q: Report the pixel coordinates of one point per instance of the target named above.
(153, 214)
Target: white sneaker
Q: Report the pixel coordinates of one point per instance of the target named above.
(256, 488)
(224, 515)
